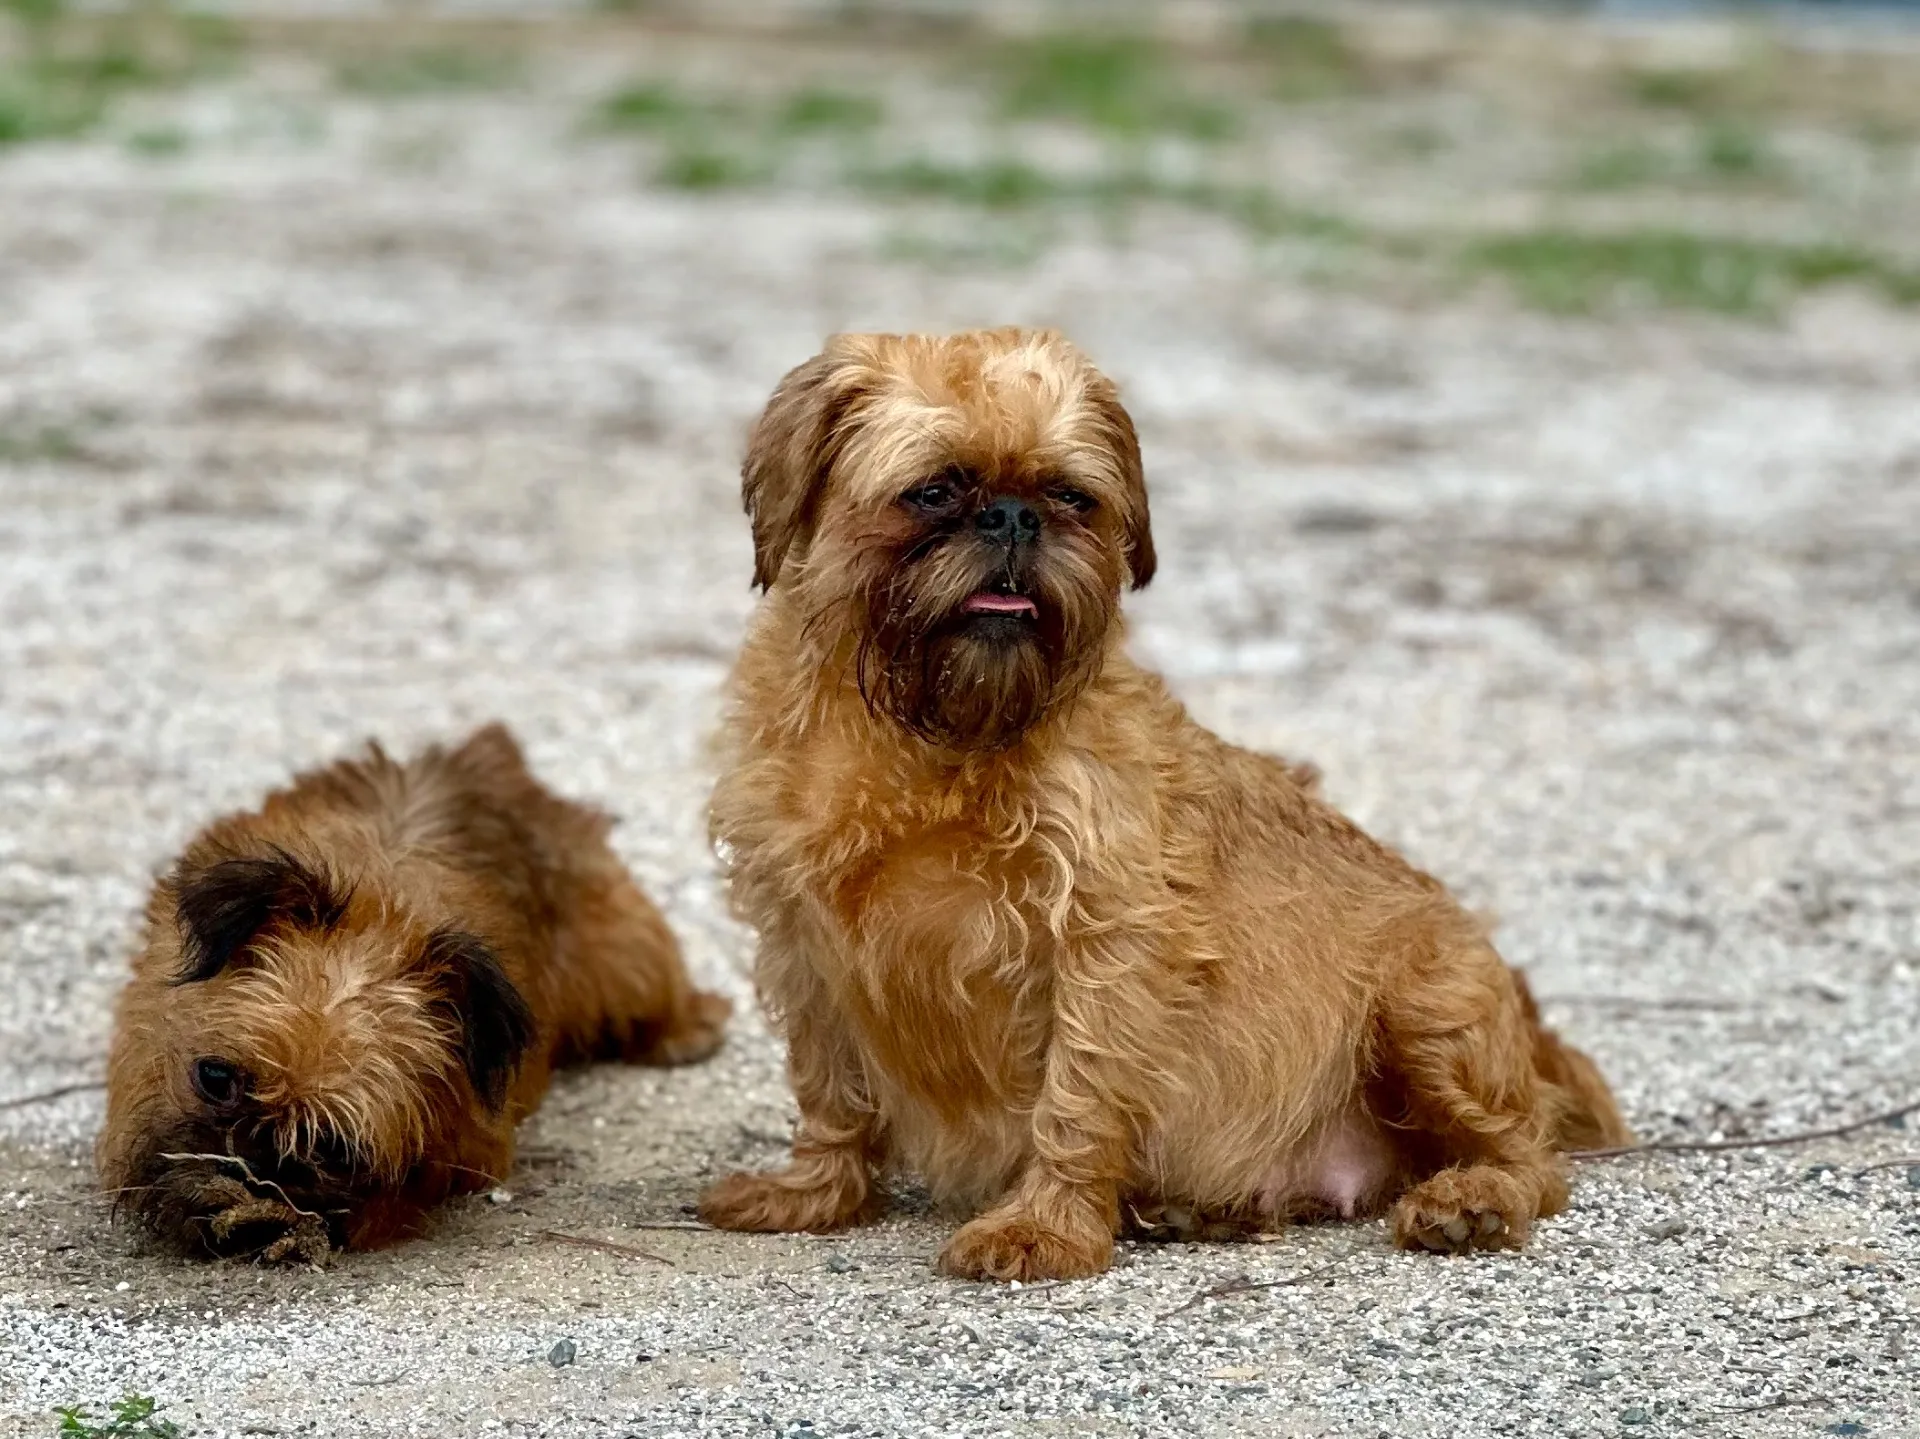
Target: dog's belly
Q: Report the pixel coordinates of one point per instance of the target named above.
(1347, 1167)
(1345, 1170)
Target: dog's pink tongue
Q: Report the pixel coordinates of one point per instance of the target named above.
(987, 603)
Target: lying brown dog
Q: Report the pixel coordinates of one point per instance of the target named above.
(347, 999)
(1030, 931)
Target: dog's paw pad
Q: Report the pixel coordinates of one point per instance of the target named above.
(1460, 1231)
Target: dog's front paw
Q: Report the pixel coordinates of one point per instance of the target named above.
(1015, 1244)
(810, 1197)
(1460, 1210)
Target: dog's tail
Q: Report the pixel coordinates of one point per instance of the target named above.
(1588, 1116)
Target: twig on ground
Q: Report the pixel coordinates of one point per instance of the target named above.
(692, 1225)
(21, 1101)
(1783, 1402)
(605, 1246)
(1244, 1285)
(1690, 1146)
(252, 1179)
(1902, 1162)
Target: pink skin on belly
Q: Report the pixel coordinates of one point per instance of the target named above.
(1344, 1168)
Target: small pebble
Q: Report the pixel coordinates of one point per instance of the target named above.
(1635, 1416)
(1913, 1176)
(840, 1264)
(562, 1354)
(1846, 1426)
(1666, 1229)
(499, 1196)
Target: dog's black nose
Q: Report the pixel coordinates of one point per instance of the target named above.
(1012, 522)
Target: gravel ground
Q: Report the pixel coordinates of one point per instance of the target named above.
(1615, 624)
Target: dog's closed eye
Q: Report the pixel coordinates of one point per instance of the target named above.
(1073, 499)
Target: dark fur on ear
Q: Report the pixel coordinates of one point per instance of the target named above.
(222, 907)
(496, 1024)
(788, 457)
(1125, 444)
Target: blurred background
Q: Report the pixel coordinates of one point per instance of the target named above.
(1723, 158)
(1529, 402)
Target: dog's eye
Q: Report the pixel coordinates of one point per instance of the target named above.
(934, 495)
(1073, 499)
(218, 1082)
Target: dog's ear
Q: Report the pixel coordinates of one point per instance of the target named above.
(1116, 432)
(789, 455)
(496, 1026)
(221, 907)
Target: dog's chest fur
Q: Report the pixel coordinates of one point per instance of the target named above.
(927, 913)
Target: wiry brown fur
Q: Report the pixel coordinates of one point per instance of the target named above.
(394, 957)
(1032, 933)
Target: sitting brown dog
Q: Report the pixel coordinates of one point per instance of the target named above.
(1029, 930)
(347, 999)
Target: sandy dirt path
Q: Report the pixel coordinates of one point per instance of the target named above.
(1615, 624)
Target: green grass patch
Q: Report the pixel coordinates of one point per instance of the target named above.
(159, 142)
(650, 105)
(1266, 213)
(1628, 166)
(1576, 273)
(1731, 150)
(717, 143)
(34, 12)
(1123, 85)
(1306, 57)
(65, 77)
(43, 442)
(428, 70)
(31, 110)
(814, 111)
(1667, 89)
(128, 1418)
(995, 184)
(1719, 153)
(699, 166)
(1006, 183)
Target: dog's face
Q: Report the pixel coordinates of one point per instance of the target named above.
(302, 1041)
(966, 509)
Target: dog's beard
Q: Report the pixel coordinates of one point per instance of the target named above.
(980, 681)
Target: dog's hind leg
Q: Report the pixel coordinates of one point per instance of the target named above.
(623, 989)
(1589, 1117)
(1456, 1076)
